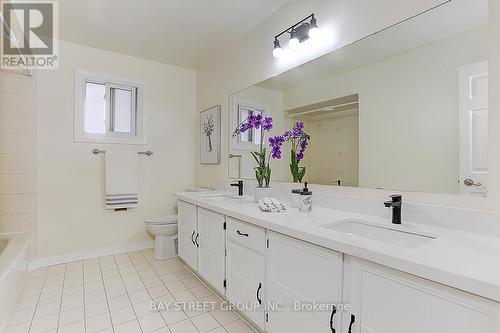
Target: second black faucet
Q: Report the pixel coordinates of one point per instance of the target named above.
(395, 204)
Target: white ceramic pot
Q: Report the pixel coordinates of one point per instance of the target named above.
(262, 192)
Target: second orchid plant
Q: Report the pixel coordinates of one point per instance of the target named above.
(299, 141)
(258, 122)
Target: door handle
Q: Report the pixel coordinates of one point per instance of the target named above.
(192, 238)
(470, 182)
(332, 323)
(353, 319)
(241, 234)
(196, 240)
(258, 291)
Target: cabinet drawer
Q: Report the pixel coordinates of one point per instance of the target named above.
(246, 234)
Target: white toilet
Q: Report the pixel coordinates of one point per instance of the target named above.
(165, 231)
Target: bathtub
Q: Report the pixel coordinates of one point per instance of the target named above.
(13, 269)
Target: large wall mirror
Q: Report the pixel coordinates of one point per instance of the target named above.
(403, 109)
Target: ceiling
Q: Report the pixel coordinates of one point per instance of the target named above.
(177, 32)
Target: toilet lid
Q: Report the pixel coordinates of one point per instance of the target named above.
(170, 219)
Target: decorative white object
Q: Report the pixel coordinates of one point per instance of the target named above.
(261, 193)
(210, 135)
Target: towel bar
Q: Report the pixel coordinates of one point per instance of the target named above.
(97, 151)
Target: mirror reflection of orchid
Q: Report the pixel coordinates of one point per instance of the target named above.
(258, 122)
(299, 140)
(208, 129)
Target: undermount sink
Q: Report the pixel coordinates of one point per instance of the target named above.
(219, 196)
(388, 234)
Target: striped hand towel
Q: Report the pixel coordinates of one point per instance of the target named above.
(121, 179)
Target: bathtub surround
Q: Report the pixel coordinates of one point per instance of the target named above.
(72, 215)
(18, 155)
(13, 268)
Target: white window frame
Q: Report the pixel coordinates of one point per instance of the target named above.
(234, 121)
(110, 81)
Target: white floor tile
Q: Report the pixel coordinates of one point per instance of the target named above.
(118, 302)
(205, 322)
(139, 296)
(114, 294)
(44, 324)
(128, 327)
(72, 303)
(122, 315)
(97, 323)
(218, 330)
(20, 328)
(238, 327)
(143, 309)
(19, 317)
(47, 309)
(185, 326)
(224, 316)
(96, 308)
(25, 303)
(152, 322)
(173, 315)
(78, 327)
(201, 291)
(71, 316)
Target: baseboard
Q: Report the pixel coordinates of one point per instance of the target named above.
(66, 258)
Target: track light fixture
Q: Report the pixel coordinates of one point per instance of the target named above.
(299, 32)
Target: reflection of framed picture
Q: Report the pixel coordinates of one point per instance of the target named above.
(210, 135)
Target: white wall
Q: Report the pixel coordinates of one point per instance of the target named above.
(250, 61)
(71, 215)
(408, 113)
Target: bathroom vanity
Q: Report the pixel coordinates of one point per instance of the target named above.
(383, 279)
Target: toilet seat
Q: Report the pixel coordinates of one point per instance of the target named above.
(171, 219)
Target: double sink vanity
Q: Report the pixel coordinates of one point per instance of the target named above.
(336, 271)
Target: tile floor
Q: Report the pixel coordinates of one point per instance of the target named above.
(114, 294)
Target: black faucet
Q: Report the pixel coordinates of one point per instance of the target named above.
(395, 204)
(239, 184)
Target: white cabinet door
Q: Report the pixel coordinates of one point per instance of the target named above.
(245, 270)
(211, 242)
(304, 273)
(389, 301)
(187, 233)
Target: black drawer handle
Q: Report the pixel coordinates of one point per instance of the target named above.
(192, 238)
(332, 323)
(241, 234)
(196, 240)
(258, 296)
(353, 319)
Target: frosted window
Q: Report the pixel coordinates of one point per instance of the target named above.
(122, 110)
(95, 108)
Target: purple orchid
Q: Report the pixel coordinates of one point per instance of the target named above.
(299, 140)
(256, 121)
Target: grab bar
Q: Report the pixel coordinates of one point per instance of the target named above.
(97, 151)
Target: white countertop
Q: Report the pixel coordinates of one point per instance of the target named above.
(466, 261)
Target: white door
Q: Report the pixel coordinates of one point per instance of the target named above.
(211, 256)
(187, 234)
(245, 274)
(299, 275)
(389, 301)
(473, 119)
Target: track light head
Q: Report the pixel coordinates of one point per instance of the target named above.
(277, 51)
(313, 28)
